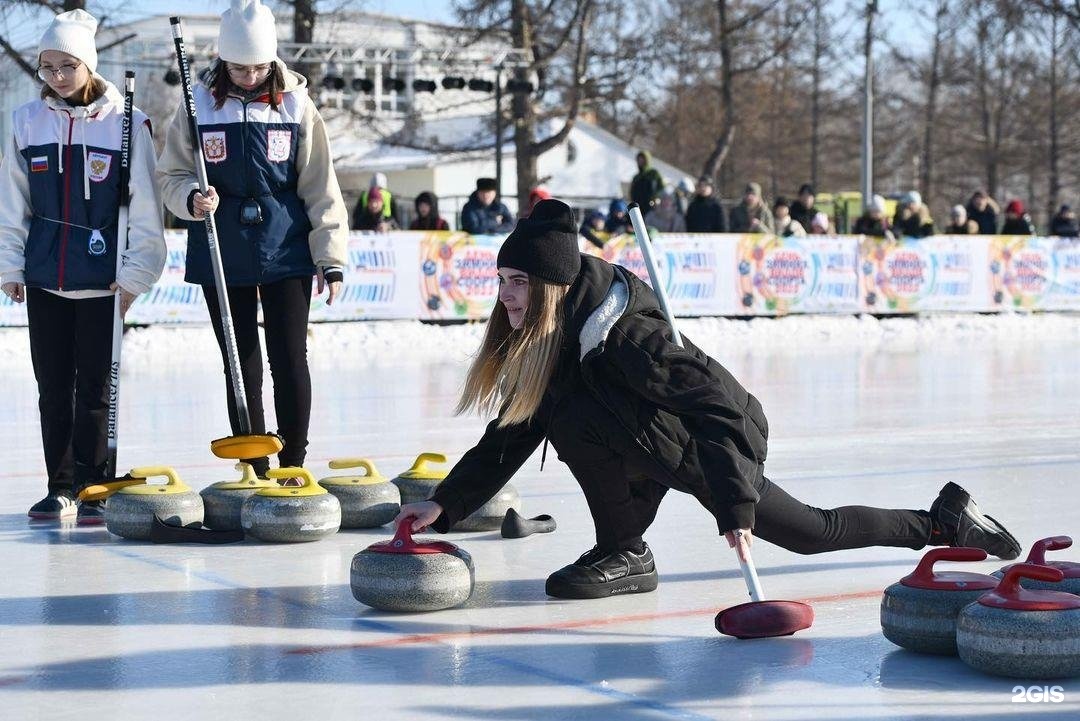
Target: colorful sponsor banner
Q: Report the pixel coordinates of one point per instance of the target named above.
(1034, 273)
(696, 270)
(380, 279)
(940, 273)
(811, 274)
(453, 276)
(458, 279)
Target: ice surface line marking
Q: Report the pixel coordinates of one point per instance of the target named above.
(561, 626)
(607, 692)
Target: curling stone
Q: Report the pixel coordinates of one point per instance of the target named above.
(919, 613)
(420, 481)
(368, 500)
(291, 514)
(1014, 632)
(130, 511)
(406, 575)
(1037, 556)
(222, 501)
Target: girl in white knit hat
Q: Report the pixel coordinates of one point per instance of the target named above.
(59, 205)
(280, 216)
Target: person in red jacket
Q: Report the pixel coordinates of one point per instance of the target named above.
(578, 352)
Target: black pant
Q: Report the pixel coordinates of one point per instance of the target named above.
(623, 487)
(71, 349)
(285, 307)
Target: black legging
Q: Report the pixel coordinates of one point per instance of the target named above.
(624, 485)
(71, 349)
(285, 307)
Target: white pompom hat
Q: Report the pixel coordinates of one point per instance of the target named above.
(248, 34)
(72, 33)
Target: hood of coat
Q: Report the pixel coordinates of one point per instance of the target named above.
(601, 295)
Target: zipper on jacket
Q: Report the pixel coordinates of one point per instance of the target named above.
(66, 216)
(247, 187)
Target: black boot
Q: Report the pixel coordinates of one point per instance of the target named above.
(53, 507)
(958, 522)
(91, 513)
(601, 573)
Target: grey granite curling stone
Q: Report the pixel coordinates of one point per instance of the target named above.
(367, 500)
(130, 512)
(1018, 633)
(405, 575)
(1037, 556)
(420, 481)
(222, 501)
(919, 613)
(291, 514)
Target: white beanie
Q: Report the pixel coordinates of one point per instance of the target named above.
(248, 34)
(378, 180)
(72, 33)
(877, 204)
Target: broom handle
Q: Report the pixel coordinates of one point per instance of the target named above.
(641, 234)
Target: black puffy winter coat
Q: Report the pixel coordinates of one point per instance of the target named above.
(679, 405)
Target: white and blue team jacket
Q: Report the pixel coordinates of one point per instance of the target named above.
(279, 158)
(60, 199)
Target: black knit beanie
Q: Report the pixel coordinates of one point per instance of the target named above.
(545, 244)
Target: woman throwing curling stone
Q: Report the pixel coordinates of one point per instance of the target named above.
(59, 209)
(280, 216)
(578, 351)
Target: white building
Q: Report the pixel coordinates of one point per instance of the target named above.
(437, 141)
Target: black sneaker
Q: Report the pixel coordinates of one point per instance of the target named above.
(91, 513)
(53, 507)
(959, 522)
(598, 574)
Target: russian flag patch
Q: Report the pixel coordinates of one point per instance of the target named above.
(40, 164)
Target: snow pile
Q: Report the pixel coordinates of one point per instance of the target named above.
(354, 344)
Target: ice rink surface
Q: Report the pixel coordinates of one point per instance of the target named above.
(861, 411)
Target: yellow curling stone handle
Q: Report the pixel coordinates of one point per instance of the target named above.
(371, 474)
(101, 491)
(310, 487)
(420, 467)
(173, 486)
(249, 481)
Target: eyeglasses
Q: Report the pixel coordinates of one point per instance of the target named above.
(66, 70)
(256, 70)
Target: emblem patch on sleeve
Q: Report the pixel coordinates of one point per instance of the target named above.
(278, 145)
(39, 164)
(214, 146)
(98, 166)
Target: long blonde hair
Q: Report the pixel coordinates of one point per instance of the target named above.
(512, 369)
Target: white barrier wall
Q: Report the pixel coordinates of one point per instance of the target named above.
(451, 275)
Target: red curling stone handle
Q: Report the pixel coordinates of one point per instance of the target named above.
(1037, 555)
(924, 572)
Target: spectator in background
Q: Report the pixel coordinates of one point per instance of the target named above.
(873, 221)
(618, 222)
(786, 226)
(427, 213)
(535, 196)
(483, 214)
(820, 224)
(751, 215)
(647, 184)
(912, 217)
(1064, 224)
(705, 214)
(802, 211)
(1017, 221)
(665, 215)
(373, 216)
(959, 223)
(684, 191)
(593, 228)
(984, 211)
(388, 206)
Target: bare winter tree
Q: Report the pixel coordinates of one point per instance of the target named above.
(54, 6)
